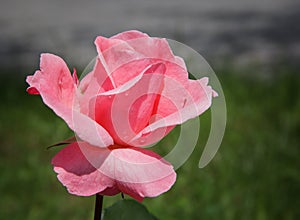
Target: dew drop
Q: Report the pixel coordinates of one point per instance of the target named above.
(126, 94)
(109, 96)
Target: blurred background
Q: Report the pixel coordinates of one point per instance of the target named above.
(254, 48)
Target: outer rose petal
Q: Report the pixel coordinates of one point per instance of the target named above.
(57, 88)
(55, 84)
(194, 100)
(86, 170)
(129, 35)
(77, 174)
(149, 47)
(141, 173)
(132, 48)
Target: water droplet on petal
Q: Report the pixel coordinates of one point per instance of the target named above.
(126, 94)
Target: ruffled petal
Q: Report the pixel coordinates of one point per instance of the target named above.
(58, 90)
(77, 174)
(86, 170)
(55, 84)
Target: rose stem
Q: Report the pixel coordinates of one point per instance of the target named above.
(98, 207)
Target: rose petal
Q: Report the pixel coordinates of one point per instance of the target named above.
(128, 49)
(193, 101)
(168, 103)
(57, 88)
(112, 54)
(92, 84)
(141, 42)
(129, 35)
(141, 173)
(124, 114)
(77, 174)
(86, 170)
(90, 131)
(55, 84)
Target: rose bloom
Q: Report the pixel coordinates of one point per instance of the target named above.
(136, 93)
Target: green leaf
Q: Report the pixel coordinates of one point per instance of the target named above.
(127, 209)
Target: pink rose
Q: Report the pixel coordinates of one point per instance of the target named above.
(135, 94)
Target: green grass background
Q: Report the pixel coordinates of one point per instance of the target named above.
(255, 174)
